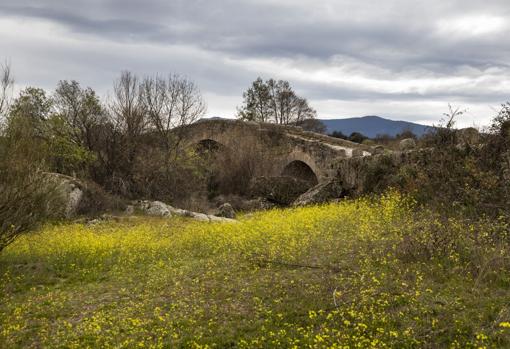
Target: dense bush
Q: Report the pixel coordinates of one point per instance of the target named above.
(467, 177)
(28, 198)
(27, 195)
(171, 179)
(450, 174)
(96, 200)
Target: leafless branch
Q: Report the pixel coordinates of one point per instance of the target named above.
(6, 86)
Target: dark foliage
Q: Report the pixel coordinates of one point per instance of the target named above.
(357, 137)
(338, 134)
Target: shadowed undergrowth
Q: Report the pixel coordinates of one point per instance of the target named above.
(365, 273)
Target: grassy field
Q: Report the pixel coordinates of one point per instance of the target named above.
(358, 274)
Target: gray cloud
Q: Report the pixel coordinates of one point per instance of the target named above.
(357, 56)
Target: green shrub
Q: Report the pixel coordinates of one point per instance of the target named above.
(28, 198)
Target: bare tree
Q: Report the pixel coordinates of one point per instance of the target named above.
(6, 86)
(128, 123)
(171, 103)
(153, 94)
(303, 111)
(190, 105)
(141, 111)
(126, 107)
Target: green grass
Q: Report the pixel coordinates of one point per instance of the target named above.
(366, 273)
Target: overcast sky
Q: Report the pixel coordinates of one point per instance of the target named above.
(400, 59)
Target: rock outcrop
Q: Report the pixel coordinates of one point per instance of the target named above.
(282, 190)
(226, 210)
(78, 197)
(155, 208)
(407, 144)
(378, 149)
(74, 195)
(240, 203)
(321, 193)
(160, 209)
(71, 192)
(468, 136)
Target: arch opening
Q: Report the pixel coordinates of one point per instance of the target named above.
(300, 170)
(209, 147)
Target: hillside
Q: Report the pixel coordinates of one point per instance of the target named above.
(371, 126)
(354, 274)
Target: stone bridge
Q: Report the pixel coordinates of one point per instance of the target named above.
(285, 150)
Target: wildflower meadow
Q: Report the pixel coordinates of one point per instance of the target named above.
(365, 273)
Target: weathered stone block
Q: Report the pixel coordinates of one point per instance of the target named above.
(322, 192)
(282, 190)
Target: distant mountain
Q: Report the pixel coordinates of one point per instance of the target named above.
(371, 126)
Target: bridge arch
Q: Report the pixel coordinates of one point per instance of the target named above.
(299, 169)
(301, 165)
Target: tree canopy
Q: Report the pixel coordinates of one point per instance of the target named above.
(274, 101)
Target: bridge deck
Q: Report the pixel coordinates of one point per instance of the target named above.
(296, 132)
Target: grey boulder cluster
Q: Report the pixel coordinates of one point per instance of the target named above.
(160, 209)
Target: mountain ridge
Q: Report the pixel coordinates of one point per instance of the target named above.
(372, 126)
